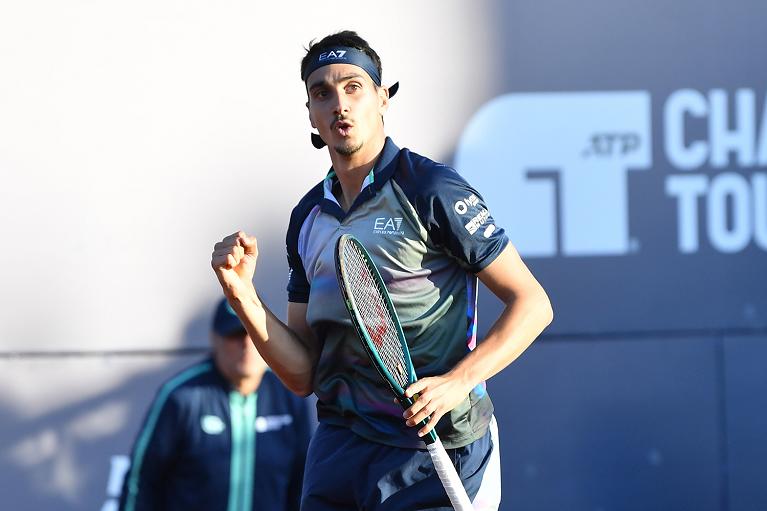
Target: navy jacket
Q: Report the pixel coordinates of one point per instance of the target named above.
(204, 446)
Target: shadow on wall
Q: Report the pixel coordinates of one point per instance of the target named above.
(58, 448)
(61, 459)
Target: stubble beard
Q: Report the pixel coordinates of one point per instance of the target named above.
(348, 149)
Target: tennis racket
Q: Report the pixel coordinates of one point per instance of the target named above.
(379, 329)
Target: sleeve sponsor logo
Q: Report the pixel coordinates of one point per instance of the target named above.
(478, 221)
(462, 206)
(472, 201)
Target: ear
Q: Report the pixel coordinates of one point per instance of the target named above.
(311, 119)
(383, 100)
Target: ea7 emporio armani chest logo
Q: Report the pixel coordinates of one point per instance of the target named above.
(388, 225)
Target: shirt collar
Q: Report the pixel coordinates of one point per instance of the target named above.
(381, 171)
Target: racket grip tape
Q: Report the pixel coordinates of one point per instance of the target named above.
(449, 477)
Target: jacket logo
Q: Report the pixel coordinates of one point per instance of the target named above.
(212, 424)
(272, 422)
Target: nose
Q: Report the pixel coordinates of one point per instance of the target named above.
(341, 105)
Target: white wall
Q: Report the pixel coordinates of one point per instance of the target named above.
(134, 135)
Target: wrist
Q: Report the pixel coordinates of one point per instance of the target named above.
(244, 296)
(463, 377)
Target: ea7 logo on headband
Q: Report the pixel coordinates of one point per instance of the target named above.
(336, 54)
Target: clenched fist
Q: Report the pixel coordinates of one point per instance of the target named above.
(234, 262)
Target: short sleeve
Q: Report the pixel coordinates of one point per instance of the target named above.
(457, 218)
(298, 285)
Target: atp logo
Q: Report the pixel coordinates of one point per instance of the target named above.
(554, 167)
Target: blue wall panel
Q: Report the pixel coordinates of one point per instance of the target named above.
(612, 424)
(746, 420)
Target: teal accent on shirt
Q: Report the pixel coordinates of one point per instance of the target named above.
(331, 180)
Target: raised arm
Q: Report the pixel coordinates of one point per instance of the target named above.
(290, 349)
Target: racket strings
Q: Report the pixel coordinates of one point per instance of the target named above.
(377, 320)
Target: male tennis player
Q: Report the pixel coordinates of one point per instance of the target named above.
(431, 235)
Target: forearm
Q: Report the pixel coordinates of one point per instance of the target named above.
(291, 354)
(523, 319)
(528, 311)
(284, 350)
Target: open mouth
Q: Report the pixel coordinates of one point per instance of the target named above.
(342, 128)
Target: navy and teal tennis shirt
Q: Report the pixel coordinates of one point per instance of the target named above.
(429, 232)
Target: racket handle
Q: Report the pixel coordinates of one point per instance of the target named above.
(449, 477)
(406, 403)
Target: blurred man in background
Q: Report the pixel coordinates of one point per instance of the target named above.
(223, 434)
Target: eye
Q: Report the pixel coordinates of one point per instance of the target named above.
(353, 87)
(320, 94)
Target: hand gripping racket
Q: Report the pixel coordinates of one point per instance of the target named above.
(379, 329)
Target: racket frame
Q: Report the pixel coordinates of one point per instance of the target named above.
(446, 472)
(367, 341)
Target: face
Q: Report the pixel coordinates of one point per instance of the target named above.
(346, 107)
(237, 357)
